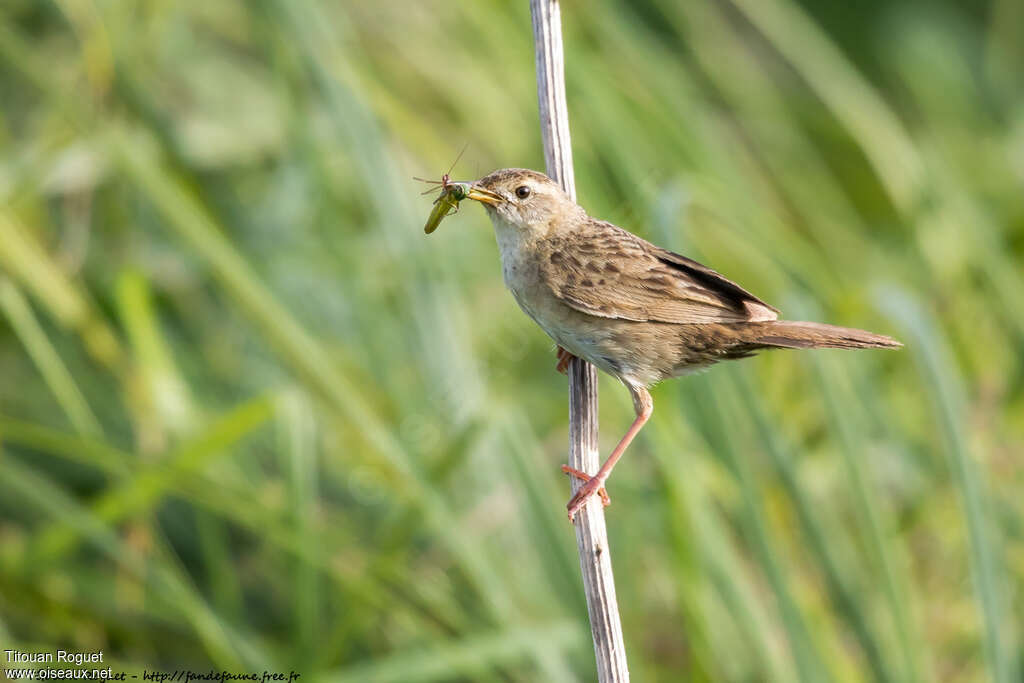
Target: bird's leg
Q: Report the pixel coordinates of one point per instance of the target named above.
(644, 406)
(563, 360)
(605, 500)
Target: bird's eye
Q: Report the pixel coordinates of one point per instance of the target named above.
(522, 191)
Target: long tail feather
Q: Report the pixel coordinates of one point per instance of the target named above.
(789, 334)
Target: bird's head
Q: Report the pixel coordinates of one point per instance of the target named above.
(524, 199)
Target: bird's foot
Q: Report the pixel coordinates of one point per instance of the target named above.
(563, 360)
(592, 486)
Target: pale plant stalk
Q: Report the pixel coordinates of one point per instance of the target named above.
(591, 532)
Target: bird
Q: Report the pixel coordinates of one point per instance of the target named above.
(638, 312)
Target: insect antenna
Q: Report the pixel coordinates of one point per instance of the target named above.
(445, 179)
(452, 167)
(435, 183)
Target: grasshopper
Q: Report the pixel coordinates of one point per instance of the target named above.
(447, 202)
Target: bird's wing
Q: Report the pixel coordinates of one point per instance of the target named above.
(612, 273)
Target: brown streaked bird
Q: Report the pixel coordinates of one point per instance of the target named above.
(639, 312)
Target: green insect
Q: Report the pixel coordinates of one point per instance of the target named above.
(447, 202)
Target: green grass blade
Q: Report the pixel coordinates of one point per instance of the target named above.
(945, 393)
(467, 658)
(166, 395)
(840, 591)
(55, 373)
(900, 594)
(50, 498)
(720, 413)
(22, 256)
(298, 436)
(849, 96)
(147, 487)
(703, 556)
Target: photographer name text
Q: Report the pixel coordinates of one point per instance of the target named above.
(58, 657)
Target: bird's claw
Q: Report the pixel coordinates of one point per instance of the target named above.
(563, 360)
(588, 489)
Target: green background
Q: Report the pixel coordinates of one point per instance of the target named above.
(251, 417)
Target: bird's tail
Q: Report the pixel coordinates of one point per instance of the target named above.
(790, 334)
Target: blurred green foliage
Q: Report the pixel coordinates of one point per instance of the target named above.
(251, 417)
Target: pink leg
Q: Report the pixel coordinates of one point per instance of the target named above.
(583, 476)
(644, 406)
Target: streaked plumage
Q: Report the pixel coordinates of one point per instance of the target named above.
(637, 311)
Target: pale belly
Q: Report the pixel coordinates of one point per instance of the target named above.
(610, 345)
(565, 325)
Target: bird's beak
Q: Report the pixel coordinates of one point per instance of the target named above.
(482, 194)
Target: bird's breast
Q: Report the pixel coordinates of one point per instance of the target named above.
(519, 266)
